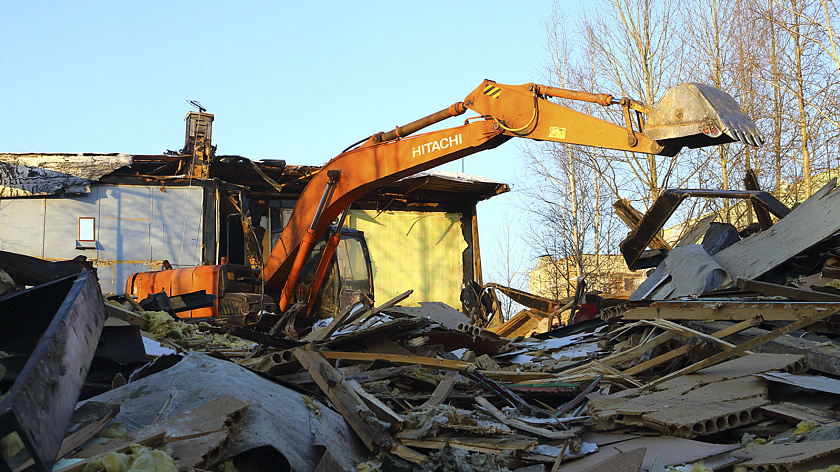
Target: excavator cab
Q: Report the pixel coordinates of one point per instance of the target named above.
(349, 278)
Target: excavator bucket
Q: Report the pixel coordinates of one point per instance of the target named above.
(696, 115)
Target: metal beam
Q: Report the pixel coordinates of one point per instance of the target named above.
(664, 206)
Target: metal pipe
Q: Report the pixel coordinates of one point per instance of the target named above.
(402, 131)
(334, 176)
(306, 244)
(599, 98)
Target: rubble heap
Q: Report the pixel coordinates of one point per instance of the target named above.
(727, 356)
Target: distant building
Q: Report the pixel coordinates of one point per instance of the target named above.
(608, 273)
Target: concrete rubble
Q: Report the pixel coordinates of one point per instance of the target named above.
(738, 373)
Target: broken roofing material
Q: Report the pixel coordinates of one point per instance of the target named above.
(25, 175)
(689, 271)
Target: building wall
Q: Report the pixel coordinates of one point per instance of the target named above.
(139, 226)
(136, 227)
(607, 272)
(420, 251)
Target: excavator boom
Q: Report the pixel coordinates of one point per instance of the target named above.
(506, 111)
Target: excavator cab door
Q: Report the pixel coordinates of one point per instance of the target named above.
(349, 278)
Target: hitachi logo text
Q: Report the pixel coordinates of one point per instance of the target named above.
(436, 145)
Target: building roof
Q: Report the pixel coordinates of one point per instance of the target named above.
(432, 189)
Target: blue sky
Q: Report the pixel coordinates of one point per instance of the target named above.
(298, 81)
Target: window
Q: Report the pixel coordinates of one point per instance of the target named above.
(87, 226)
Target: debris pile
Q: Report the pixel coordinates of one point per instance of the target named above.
(727, 356)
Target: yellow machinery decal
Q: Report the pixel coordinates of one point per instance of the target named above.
(556, 132)
(492, 91)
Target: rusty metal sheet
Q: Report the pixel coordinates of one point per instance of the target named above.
(41, 401)
(534, 302)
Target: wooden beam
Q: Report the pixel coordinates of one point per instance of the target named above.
(728, 353)
(785, 291)
(674, 353)
(726, 311)
(435, 363)
(352, 407)
(127, 316)
(521, 425)
(631, 217)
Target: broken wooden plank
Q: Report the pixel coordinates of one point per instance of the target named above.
(629, 354)
(337, 322)
(351, 406)
(521, 425)
(129, 317)
(361, 317)
(381, 410)
(441, 364)
(441, 391)
(617, 373)
(90, 418)
(87, 420)
(491, 445)
(821, 357)
(221, 414)
(728, 353)
(785, 291)
(688, 332)
(133, 301)
(631, 217)
(153, 439)
(674, 353)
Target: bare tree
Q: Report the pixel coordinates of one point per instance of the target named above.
(509, 270)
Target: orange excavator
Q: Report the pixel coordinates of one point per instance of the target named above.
(689, 115)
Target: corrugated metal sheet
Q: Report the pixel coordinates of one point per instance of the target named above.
(408, 246)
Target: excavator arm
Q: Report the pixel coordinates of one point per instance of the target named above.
(505, 112)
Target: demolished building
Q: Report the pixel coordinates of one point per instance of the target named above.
(725, 358)
(130, 213)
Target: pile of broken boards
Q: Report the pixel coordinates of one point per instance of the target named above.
(728, 379)
(416, 389)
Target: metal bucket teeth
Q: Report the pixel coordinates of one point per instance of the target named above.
(696, 115)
